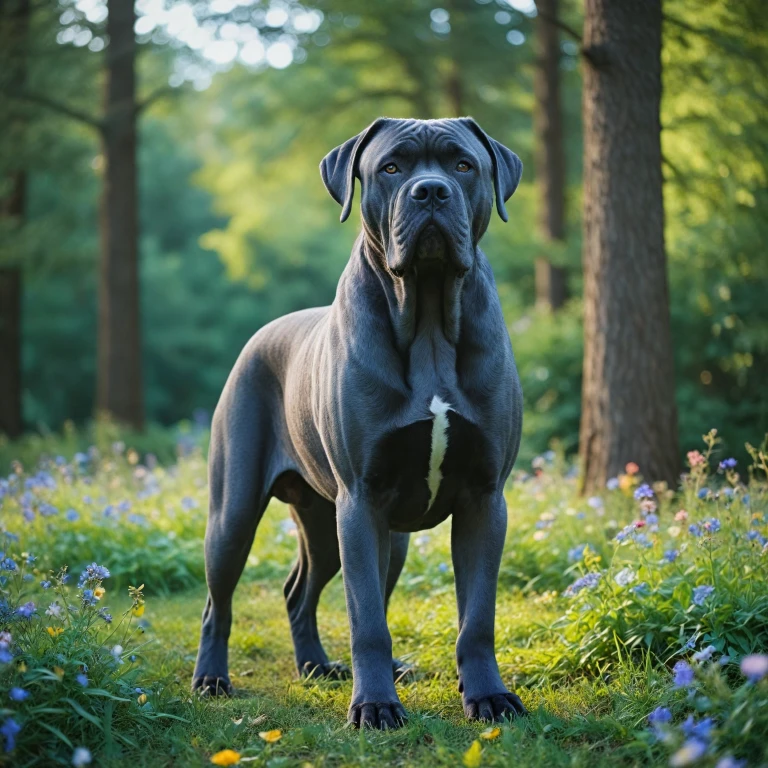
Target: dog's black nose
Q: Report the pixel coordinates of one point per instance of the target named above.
(430, 191)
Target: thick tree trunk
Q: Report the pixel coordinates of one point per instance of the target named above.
(551, 280)
(14, 17)
(119, 386)
(628, 399)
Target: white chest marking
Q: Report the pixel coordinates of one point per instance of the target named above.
(439, 446)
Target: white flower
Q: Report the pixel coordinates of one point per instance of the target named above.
(54, 609)
(81, 756)
(705, 654)
(117, 652)
(625, 577)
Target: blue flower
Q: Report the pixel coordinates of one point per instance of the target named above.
(703, 493)
(7, 565)
(585, 582)
(700, 730)
(82, 680)
(612, 484)
(712, 525)
(694, 529)
(689, 753)
(8, 730)
(683, 674)
(728, 463)
(659, 716)
(644, 491)
(730, 762)
(89, 598)
(105, 615)
(18, 694)
(45, 584)
(642, 589)
(705, 654)
(26, 610)
(671, 555)
(31, 559)
(576, 553)
(700, 594)
(651, 519)
(93, 573)
(71, 515)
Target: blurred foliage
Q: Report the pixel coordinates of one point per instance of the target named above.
(236, 227)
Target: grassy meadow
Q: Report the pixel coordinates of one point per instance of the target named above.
(633, 624)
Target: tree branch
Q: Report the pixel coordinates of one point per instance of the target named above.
(555, 22)
(56, 106)
(157, 94)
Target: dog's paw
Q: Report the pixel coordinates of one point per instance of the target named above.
(380, 715)
(211, 685)
(402, 671)
(330, 670)
(500, 706)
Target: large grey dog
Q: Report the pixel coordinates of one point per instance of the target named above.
(385, 413)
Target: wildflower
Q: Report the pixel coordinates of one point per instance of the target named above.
(226, 757)
(26, 610)
(612, 484)
(700, 594)
(639, 524)
(99, 592)
(59, 672)
(651, 519)
(81, 756)
(585, 582)
(443, 567)
(705, 654)
(71, 515)
(93, 573)
(490, 734)
(689, 753)
(18, 694)
(625, 577)
(695, 459)
(142, 699)
(642, 589)
(271, 736)
(671, 555)
(683, 674)
(754, 667)
(45, 584)
(694, 530)
(9, 730)
(712, 525)
(89, 598)
(728, 464)
(576, 553)
(681, 515)
(643, 491)
(474, 755)
(730, 762)
(631, 468)
(82, 679)
(700, 730)
(595, 502)
(104, 614)
(659, 716)
(54, 610)
(7, 565)
(703, 493)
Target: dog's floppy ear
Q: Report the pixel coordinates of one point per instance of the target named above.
(507, 167)
(340, 166)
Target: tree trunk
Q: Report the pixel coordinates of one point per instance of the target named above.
(14, 16)
(628, 397)
(119, 386)
(551, 281)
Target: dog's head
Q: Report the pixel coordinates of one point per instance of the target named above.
(427, 188)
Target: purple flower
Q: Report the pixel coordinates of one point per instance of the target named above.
(659, 716)
(9, 729)
(644, 491)
(26, 610)
(585, 582)
(700, 730)
(683, 674)
(18, 694)
(754, 667)
(82, 680)
(728, 463)
(700, 594)
(105, 615)
(671, 555)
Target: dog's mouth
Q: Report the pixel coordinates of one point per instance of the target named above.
(431, 245)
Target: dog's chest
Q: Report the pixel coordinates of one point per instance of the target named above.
(425, 468)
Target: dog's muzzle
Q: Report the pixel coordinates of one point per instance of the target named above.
(429, 225)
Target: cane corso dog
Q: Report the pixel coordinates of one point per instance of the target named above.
(385, 413)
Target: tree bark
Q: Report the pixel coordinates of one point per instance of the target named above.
(628, 398)
(551, 280)
(14, 16)
(119, 386)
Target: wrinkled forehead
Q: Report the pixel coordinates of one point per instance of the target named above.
(415, 140)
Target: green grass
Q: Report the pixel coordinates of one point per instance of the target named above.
(589, 667)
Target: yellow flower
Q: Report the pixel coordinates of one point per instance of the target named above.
(474, 755)
(59, 672)
(138, 610)
(490, 734)
(271, 736)
(142, 699)
(22, 667)
(99, 592)
(54, 631)
(226, 757)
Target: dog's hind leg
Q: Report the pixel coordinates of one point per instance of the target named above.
(240, 460)
(317, 564)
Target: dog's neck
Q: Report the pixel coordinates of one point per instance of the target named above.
(424, 301)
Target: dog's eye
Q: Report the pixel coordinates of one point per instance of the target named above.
(463, 167)
(391, 168)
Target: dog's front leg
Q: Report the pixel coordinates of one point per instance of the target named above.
(477, 540)
(364, 545)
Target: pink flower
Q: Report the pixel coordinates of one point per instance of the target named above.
(632, 468)
(681, 515)
(754, 667)
(695, 459)
(639, 523)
